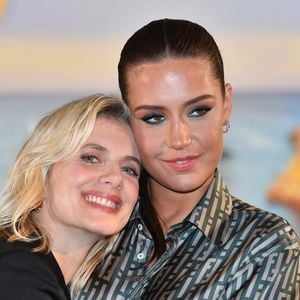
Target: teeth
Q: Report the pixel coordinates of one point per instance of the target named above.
(101, 201)
(181, 161)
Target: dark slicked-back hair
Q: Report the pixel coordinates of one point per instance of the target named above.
(169, 38)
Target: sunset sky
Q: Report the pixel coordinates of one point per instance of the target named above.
(75, 44)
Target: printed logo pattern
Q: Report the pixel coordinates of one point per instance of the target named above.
(225, 249)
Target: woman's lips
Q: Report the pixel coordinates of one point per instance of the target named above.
(103, 200)
(182, 163)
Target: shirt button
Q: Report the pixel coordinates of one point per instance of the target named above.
(140, 256)
(140, 227)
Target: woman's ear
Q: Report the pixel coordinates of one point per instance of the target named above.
(227, 101)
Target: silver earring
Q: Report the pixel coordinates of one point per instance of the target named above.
(226, 126)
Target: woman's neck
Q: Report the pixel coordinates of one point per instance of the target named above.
(68, 245)
(70, 260)
(173, 207)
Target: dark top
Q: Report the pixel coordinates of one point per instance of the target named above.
(28, 275)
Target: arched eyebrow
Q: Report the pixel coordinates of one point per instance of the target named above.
(199, 98)
(132, 158)
(189, 102)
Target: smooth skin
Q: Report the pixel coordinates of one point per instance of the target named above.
(178, 111)
(92, 194)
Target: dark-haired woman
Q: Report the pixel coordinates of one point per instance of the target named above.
(190, 238)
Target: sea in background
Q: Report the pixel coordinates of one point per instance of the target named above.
(257, 146)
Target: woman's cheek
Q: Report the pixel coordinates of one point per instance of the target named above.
(141, 136)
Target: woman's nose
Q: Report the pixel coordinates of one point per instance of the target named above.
(179, 136)
(111, 176)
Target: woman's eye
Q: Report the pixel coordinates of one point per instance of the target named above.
(90, 159)
(130, 171)
(153, 118)
(199, 111)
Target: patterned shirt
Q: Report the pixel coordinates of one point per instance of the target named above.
(225, 249)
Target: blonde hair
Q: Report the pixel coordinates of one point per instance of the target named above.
(55, 138)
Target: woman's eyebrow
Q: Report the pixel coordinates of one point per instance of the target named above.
(160, 107)
(199, 98)
(132, 158)
(95, 146)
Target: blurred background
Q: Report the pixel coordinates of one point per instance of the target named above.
(53, 51)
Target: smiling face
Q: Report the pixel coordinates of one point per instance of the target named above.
(178, 111)
(95, 191)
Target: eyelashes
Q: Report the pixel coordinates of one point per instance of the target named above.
(131, 171)
(199, 111)
(88, 158)
(155, 118)
(91, 159)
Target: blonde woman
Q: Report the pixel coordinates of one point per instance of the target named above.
(70, 190)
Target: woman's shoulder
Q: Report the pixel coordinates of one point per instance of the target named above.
(263, 224)
(29, 273)
(16, 252)
(11, 248)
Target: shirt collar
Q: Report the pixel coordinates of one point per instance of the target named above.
(213, 210)
(136, 214)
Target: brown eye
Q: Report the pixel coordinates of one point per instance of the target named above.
(154, 118)
(199, 111)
